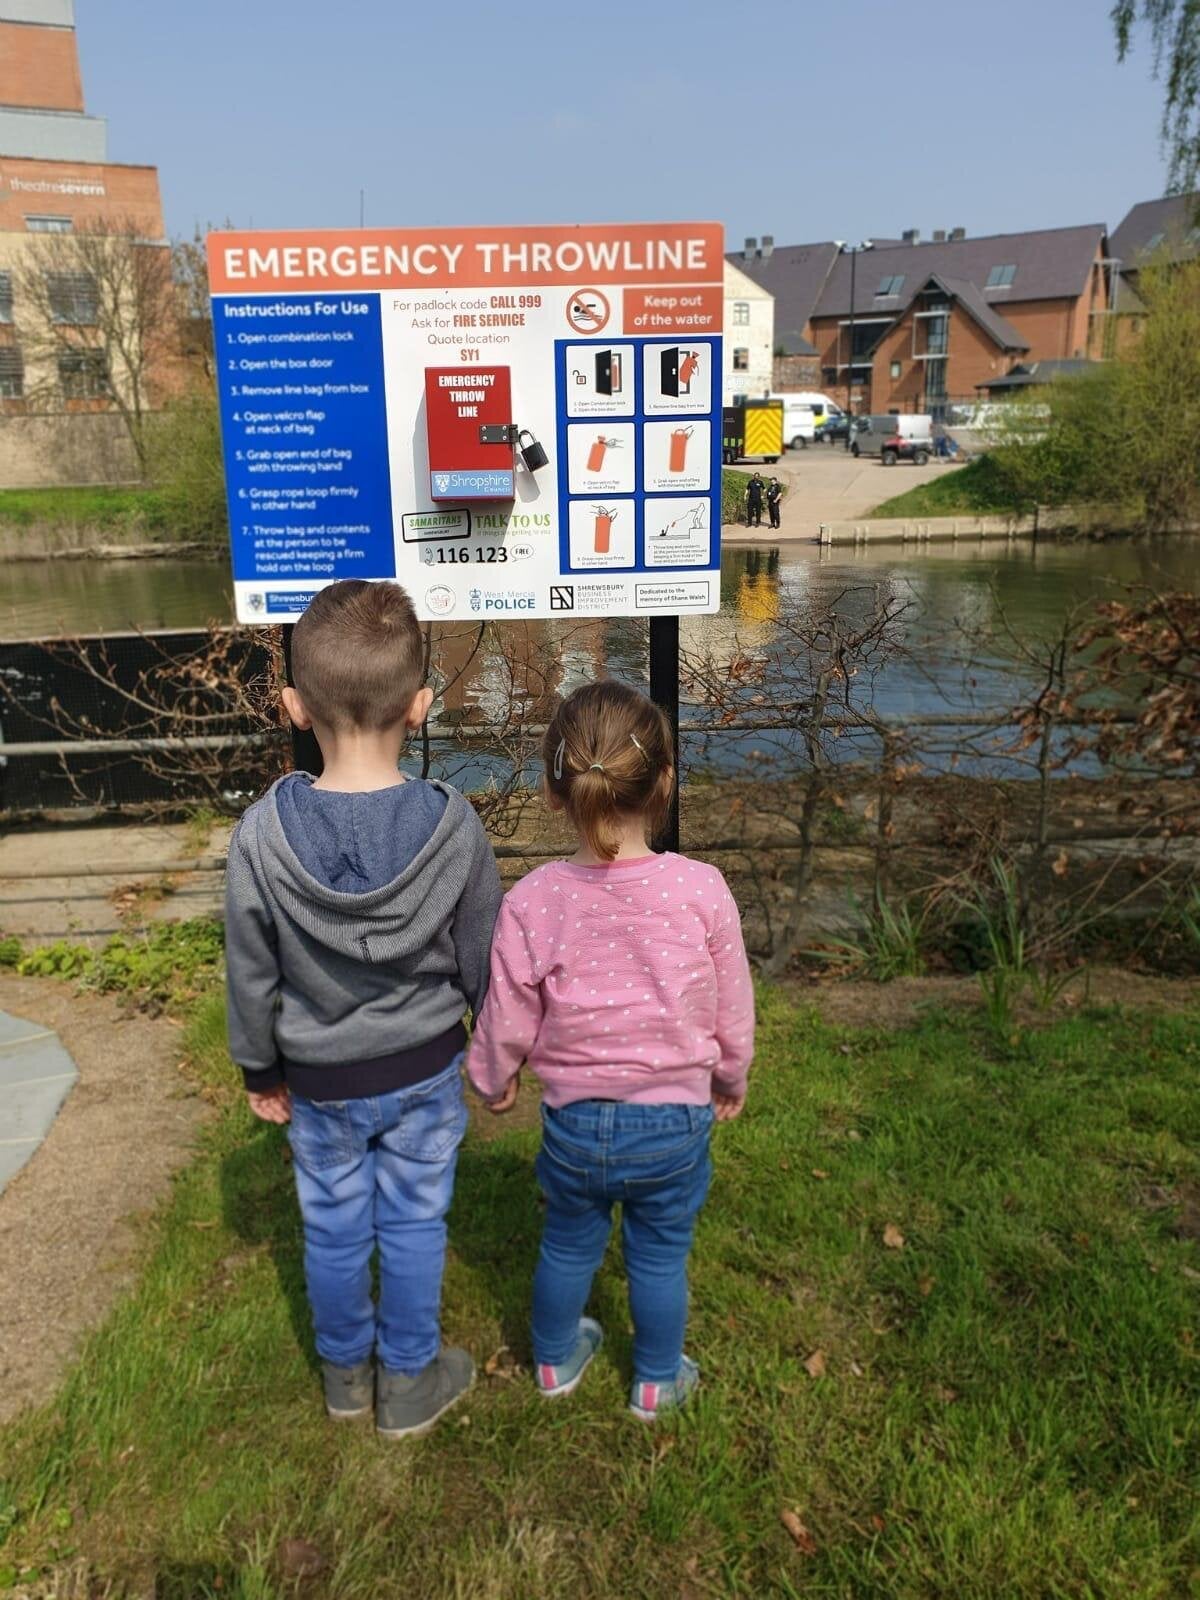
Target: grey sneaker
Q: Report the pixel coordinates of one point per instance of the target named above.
(349, 1391)
(405, 1406)
(553, 1381)
(650, 1400)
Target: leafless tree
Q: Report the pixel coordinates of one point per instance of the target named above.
(97, 315)
(803, 698)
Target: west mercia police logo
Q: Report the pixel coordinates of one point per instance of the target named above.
(440, 599)
(476, 600)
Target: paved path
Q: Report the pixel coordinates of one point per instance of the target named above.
(36, 1075)
(70, 1235)
(827, 484)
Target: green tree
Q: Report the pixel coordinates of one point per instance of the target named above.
(1159, 399)
(1125, 437)
(1175, 36)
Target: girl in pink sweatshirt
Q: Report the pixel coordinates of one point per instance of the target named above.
(621, 978)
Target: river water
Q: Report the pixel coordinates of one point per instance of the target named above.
(958, 598)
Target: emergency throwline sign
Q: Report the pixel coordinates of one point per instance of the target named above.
(444, 406)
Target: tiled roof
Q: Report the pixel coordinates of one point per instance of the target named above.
(1048, 265)
(795, 275)
(1024, 377)
(1173, 224)
(975, 304)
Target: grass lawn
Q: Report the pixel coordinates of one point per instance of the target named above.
(1007, 1407)
(103, 508)
(733, 494)
(977, 489)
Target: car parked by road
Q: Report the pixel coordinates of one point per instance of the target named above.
(834, 429)
(894, 439)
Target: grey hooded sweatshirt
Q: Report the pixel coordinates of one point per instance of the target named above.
(349, 993)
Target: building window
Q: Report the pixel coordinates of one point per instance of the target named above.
(866, 336)
(1153, 242)
(889, 285)
(6, 300)
(1001, 277)
(935, 383)
(49, 224)
(72, 297)
(12, 373)
(896, 369)
(741, 313)
(83, 375)
(741, 359)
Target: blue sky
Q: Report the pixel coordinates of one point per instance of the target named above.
(808, 119)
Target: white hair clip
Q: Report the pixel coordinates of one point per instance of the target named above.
(596, 766)
(558, 759)
(638, 742)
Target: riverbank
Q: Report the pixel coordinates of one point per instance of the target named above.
(889, 529)
(92, 522)
(832, 498)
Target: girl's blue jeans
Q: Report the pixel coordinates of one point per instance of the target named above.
(654, 1159)
(378, 1172)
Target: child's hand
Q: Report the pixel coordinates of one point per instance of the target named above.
(508, 1099)
(727, 1106)
(274, 1105)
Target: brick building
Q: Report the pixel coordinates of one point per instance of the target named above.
(936, 322)
(1165, 231)
(55, 179)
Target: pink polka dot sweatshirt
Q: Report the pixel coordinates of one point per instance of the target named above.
(621, 982)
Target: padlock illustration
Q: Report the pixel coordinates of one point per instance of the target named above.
(532, 454)
(578, 376)
(605, 517)
(679, 442)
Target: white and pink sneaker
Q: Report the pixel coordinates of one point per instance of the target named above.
(649, 1401)
(553, 1381)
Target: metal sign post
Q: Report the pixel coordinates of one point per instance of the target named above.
(306, 752)
(664, 691)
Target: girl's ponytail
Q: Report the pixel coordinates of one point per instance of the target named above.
(608, 754)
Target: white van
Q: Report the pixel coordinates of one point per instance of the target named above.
(894, 438)
(803, 413)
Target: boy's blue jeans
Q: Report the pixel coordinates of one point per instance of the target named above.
(652, 1158)
(378, 1172)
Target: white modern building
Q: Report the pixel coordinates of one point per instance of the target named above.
(749, 335)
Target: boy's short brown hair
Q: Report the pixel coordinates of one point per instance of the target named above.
(358, 657)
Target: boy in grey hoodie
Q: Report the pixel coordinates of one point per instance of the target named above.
(359, 916)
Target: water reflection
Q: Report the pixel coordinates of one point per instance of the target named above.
(960, 602)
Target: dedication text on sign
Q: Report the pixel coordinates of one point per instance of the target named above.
(514, 422)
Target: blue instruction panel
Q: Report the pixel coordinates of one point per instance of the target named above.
(304, 419)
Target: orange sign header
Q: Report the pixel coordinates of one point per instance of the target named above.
(410, 258)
